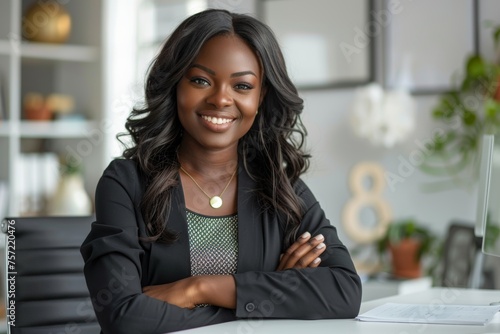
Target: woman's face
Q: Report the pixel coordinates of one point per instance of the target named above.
(220, 93)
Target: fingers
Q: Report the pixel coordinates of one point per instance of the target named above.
(303, 253)
(284, 257)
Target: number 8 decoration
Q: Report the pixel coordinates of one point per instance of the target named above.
(366, 197)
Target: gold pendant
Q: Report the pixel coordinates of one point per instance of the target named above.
(216, 202)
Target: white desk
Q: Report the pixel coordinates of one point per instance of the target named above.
(380, 288)
(433, 297)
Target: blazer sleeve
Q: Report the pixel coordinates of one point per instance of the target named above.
(112, 255)
(332, 290)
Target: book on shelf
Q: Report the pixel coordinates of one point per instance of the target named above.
(38, 175)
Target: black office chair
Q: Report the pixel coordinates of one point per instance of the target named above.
(45, 286)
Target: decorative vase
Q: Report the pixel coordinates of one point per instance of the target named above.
(405, 262)
(47, 22)
(70, 198)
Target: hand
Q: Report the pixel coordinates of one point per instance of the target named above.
(303, 253)
(182, 293)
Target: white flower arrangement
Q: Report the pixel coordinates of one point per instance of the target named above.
(384, 117)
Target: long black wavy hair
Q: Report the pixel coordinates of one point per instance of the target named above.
(274, 142)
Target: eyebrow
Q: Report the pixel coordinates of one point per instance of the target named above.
(236, 74)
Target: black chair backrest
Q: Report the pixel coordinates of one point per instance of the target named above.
(45, 286)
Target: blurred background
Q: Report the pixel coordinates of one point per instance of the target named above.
(397, 94)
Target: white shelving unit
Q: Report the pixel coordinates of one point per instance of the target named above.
(95, 66)
(76, 68)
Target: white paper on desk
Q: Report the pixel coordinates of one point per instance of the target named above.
(431, 314)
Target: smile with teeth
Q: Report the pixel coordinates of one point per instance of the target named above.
(216, 120)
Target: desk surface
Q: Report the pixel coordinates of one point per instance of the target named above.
(432, 297)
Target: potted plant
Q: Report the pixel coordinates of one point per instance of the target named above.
(464, 114)
(407, 243)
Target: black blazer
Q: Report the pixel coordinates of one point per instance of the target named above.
(118, 265)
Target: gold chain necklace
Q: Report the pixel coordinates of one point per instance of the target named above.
(214, 201)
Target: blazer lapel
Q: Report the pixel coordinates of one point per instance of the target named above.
(176, 255)
(250, 248)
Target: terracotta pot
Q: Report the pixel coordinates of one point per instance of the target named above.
(38, 114)
(35, 108)
(405, 263)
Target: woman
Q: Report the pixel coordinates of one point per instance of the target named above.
(206, 219)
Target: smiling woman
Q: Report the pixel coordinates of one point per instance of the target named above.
(206, 219)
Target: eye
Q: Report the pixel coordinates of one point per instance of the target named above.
(243, 86)
(200, 82)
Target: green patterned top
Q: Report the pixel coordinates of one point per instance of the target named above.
(213, 244)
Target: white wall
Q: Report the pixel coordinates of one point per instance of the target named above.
(239, 6)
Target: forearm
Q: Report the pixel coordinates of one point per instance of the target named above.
(309, 293)
(217, 290)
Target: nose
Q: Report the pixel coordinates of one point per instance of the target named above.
(220, 97)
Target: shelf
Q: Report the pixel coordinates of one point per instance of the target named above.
(56, 52)
(50, 129)
(56, 129)
(63, 52)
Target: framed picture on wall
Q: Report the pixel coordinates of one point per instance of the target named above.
(325, 43)
(428, 59)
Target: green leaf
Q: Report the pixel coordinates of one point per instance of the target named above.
(438, 113)
(468, 83)
(469, 118)
(446, 107)
(476, 67)
(491, 108)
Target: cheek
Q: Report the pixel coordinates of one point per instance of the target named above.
(187, 102)
(249, 106)
(182, 98)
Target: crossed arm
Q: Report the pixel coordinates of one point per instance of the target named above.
(220, 290)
